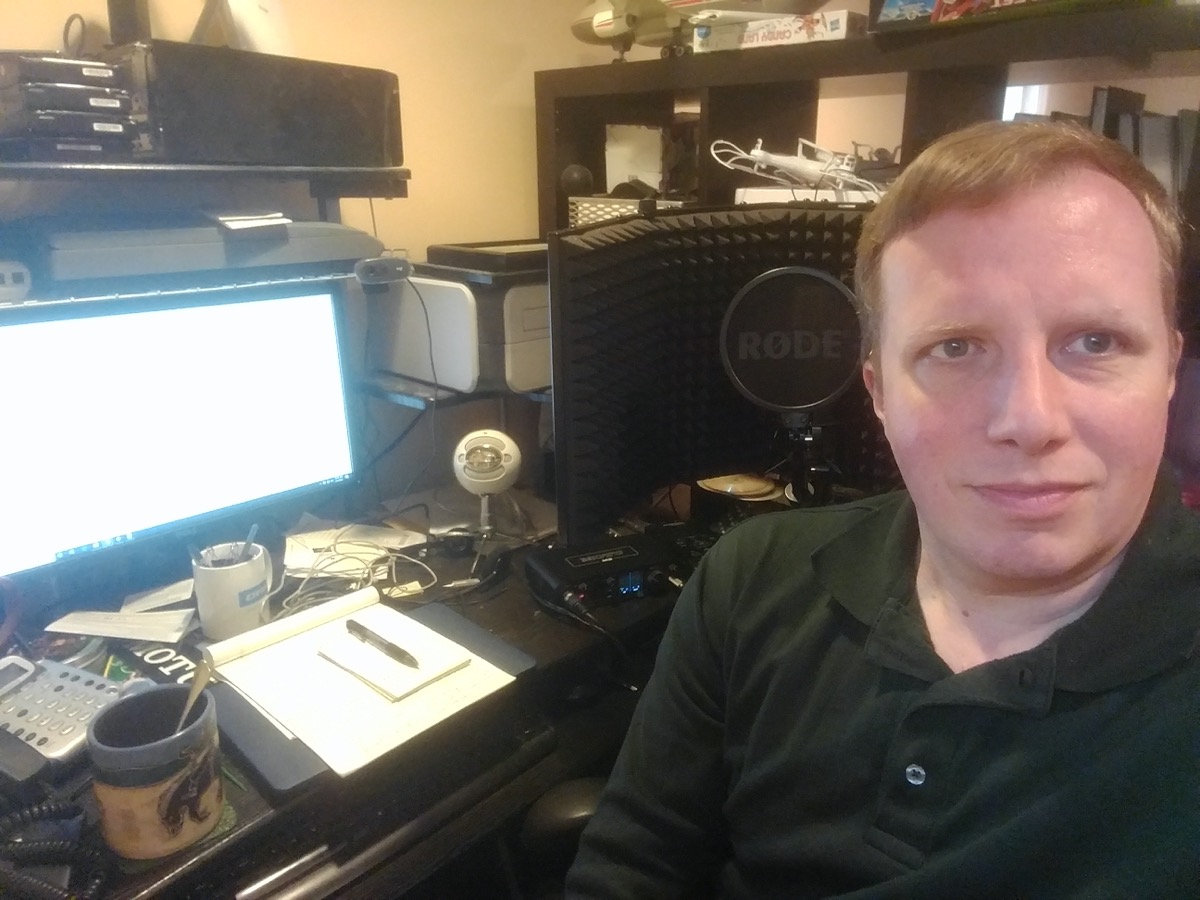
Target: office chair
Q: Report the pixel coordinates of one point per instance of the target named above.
(550, 830)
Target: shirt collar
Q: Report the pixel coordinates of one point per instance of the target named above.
(1146, 619)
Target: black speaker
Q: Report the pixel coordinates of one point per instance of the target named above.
(221, 105)
(128, 21)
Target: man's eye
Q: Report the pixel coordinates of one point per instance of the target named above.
(1093, 343)
(955, 348)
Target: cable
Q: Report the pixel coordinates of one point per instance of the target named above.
(573, 607)
(327, 577)
(408, 596)
(431, 408)
(73, 43)
(394, 443)
(371, 431)
(96, 860)
(434, 376)
(584, 618)
(332, 557)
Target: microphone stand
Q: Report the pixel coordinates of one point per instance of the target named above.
(811, 475)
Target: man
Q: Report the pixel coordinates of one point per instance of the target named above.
(987, 685)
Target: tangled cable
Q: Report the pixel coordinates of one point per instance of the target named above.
(350, 564)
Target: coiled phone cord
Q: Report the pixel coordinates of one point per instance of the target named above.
(95, 860)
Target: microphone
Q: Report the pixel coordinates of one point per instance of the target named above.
(487, 462)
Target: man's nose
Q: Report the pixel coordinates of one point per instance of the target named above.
(1029, 404)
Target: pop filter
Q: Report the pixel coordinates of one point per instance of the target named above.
(790, 339)
(790, 342)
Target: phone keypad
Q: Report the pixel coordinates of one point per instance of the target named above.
(51, 710)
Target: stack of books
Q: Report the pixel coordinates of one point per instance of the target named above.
(1164, 142)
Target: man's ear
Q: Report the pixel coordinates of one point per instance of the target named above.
(874, 382)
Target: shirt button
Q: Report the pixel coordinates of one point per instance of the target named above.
(914, 775)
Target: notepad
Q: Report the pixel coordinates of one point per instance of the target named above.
(436, 656)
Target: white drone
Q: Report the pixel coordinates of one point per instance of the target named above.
(811, 167)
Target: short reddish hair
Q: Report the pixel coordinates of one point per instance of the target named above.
(985, 163)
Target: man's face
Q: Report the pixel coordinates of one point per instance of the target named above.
(1023, 375)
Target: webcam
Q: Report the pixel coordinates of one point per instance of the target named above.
(382, 270)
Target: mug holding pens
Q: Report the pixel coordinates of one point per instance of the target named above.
(232, 581)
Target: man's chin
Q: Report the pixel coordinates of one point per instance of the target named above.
(1033, 563)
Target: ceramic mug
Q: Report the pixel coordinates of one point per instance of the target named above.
(229, 593)
(158, 790)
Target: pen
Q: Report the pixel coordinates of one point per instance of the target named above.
(247, 544)
(365, 634)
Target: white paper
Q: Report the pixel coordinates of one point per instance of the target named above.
(224, 652)
(167, 595)
(165, 626)
(348, 551)
(343, 720)
(436, 656)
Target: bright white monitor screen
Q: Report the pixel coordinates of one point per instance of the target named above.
(125, 419)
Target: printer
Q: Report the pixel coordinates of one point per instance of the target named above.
(114, 255)
(488, 320)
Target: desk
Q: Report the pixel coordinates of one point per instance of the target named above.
(396, 822)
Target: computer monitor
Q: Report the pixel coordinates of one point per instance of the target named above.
(135, 418)
(641, 398)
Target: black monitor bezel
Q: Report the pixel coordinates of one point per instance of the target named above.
(157, 555)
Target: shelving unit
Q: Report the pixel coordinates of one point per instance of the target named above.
(957, 74)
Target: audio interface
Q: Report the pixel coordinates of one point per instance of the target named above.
(608, 571)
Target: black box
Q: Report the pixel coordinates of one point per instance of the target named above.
(63, 123)
(74, 97)
(491, 256)
(17, 66)
(215, 105)
(35, 148)
(608, 571)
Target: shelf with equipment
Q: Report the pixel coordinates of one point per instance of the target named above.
(327, 184)
(957, 74)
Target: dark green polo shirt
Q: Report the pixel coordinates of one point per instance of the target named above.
(801, 738)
